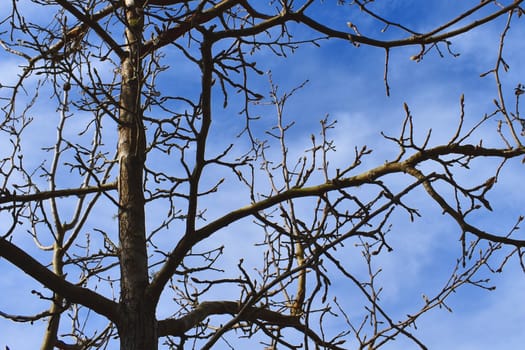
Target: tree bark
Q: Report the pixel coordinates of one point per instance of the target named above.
(50, 335)
(137, 324)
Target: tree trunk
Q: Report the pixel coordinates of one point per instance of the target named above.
(137, 324)
(50, 336)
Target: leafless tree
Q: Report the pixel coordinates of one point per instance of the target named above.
(123, 206)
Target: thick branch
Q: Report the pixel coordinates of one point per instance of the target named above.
(405, 166)
(412, 40)
(93, 24)
(196, 19)
(40, 196)
(193, 20)
(363, 178)
(71, 292)
(177, 327)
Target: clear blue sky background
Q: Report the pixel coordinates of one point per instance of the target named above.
(347, 83)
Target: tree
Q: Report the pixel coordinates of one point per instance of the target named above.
(124, 207)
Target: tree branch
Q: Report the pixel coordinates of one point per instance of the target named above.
(69, 291)
(177, 327)
(6, 197)
(189, 240)
(93, 24)
(422, 39)
(357, 180)
(459, 217)
(195, 19)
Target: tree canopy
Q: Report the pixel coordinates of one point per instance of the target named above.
(175, 176)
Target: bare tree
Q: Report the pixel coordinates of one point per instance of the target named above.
(134, 143)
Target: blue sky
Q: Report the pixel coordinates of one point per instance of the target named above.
(346, 83)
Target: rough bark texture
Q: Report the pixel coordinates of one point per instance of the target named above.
(50, 336)
(137, 326)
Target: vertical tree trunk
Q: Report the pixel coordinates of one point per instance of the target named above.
(137, 326)
(50, 336)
